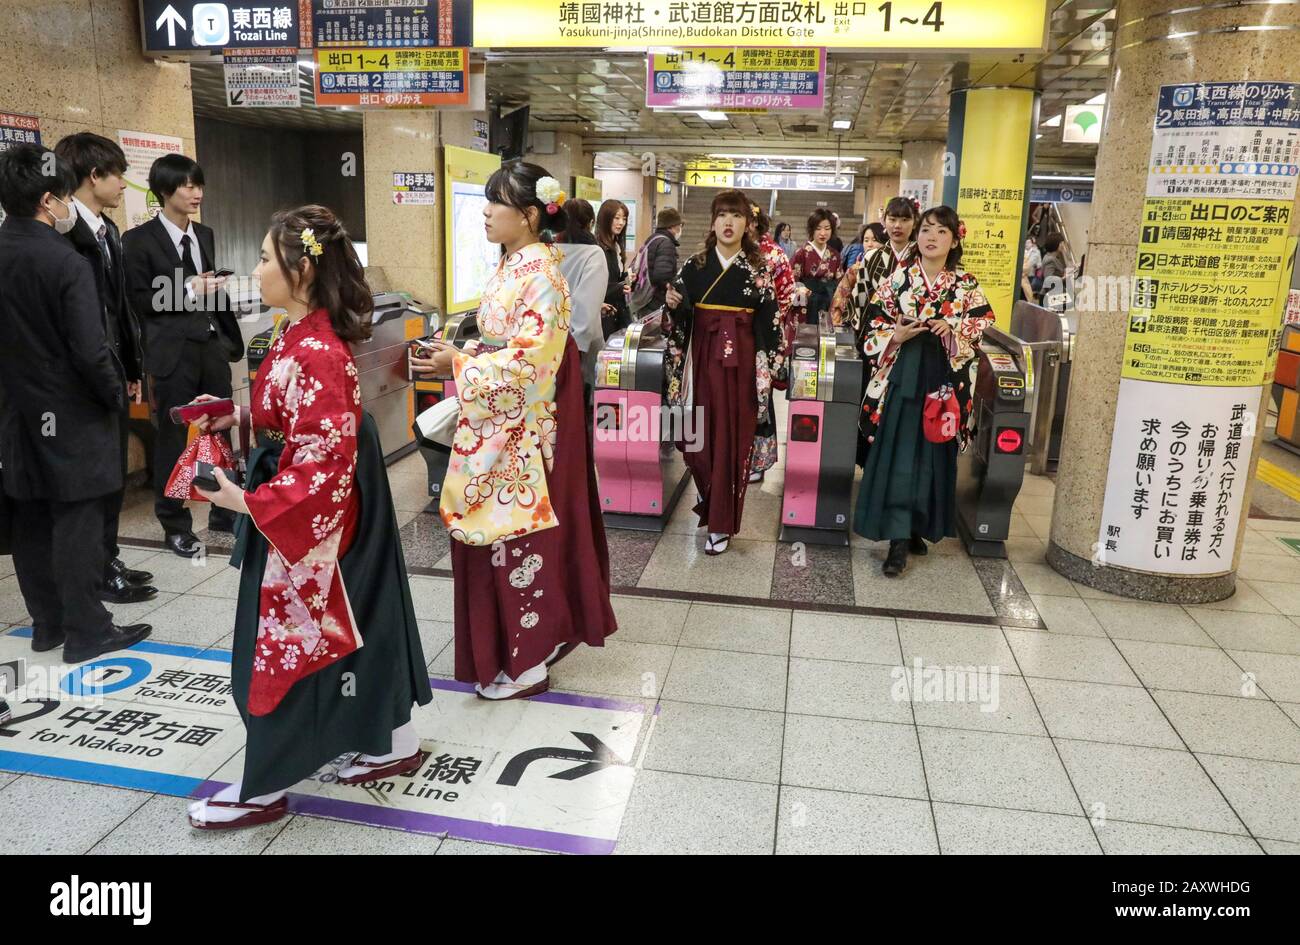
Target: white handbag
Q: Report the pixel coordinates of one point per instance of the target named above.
(438, 423)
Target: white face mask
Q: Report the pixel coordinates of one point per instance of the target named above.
(64, 226)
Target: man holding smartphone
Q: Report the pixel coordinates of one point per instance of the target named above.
(191, 335)
(100, 165)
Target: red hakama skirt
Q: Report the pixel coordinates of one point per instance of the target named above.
(724, 383)
(553, 585)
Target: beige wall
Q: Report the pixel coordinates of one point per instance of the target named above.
(406, 242)
(923, 160)
(567, 161)
(77, 66)
(880, 188)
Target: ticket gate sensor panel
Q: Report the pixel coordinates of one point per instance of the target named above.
(639, 473)
(992, 469)
(458, 329)
(825, 396)
(382, 372)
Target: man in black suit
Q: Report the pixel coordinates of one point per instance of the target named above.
(100, 166)
(191, 336)
(62, 394)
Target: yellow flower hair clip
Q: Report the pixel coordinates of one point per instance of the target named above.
(310, 243)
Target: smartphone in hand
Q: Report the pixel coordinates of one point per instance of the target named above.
(188, 413)
(205, 476)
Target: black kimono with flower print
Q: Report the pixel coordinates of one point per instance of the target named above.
(955, 297)
(741, 285)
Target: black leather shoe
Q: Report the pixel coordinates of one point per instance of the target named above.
(117, 566)
(44, 640)
(118, 590)
(223, 524)
(896, 560)
(917, 546)
(184, 544)
(115, 638)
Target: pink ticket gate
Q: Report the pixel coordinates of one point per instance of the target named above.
(825, 395)
(639, 472)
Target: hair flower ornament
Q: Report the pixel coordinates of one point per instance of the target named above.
(550, 193)
(961, 229)
(310, 243)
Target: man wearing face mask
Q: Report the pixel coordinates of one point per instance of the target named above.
(62, 399)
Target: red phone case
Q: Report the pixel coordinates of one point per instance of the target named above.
(188, 413)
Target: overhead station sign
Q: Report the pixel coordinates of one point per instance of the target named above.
(179, 27)
(184, 28)
(396, 78)
(262, 78)
(337, 23)
(187, 28)
(950, 25)
(744, 78)
(767, 178)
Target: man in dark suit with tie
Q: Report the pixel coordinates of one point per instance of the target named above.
(191, 335)
(62, 398)
(100, 165)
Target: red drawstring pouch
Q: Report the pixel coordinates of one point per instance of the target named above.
(204, 448)
(942, 415)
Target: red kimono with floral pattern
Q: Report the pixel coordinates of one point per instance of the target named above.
(307, 395)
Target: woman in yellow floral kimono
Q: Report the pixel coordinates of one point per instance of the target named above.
(529, 559)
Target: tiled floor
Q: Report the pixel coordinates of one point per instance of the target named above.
(801, 704)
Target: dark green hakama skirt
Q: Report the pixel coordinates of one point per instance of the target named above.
(326, 715)
(909, 485)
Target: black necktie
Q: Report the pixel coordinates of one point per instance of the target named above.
(187, 259)
(102, 237)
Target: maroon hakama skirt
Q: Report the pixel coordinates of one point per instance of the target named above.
(553, 585)
(725, 388)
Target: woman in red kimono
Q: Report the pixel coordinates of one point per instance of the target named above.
(724, 343)
(782, 277)
(327, 656)
(528, 552)
(817, 267)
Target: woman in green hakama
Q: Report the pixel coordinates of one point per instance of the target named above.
(920, 342)
(327, 657)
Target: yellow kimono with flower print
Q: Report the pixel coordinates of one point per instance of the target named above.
(503, 450)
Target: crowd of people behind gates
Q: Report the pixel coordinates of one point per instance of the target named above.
(84, 333)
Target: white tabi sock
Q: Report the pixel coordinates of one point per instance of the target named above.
(405, 744)
(529, 677)
(205, 813)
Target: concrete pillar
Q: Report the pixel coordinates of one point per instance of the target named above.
(1165, 43)
(880, 189)
(406, 242)
(921, 172)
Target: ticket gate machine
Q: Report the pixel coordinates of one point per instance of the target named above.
(458, 329)
(639, 472)
(381, 367)
(825, 396)
(992, 469)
